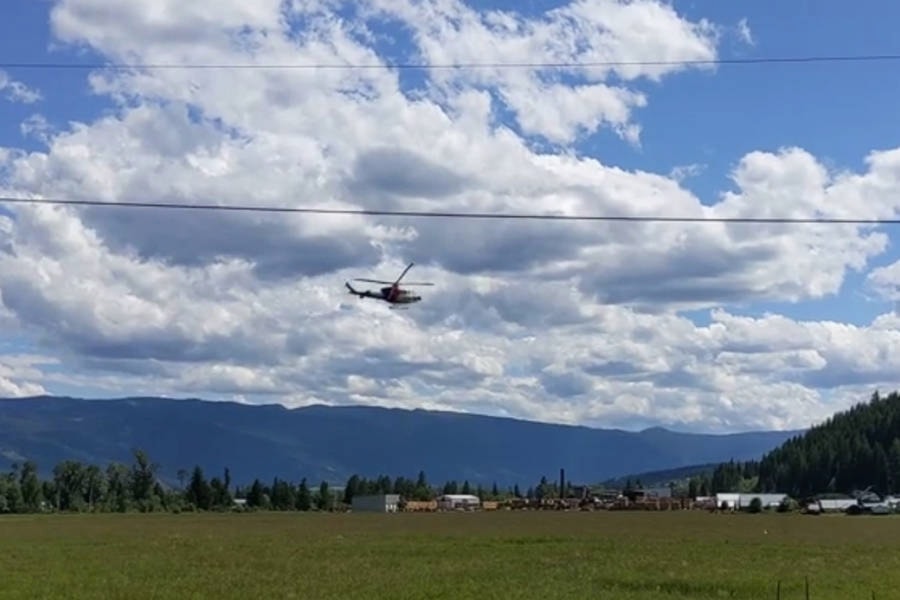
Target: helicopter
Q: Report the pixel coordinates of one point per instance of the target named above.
(391, 293)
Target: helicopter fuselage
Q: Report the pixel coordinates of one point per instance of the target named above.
(398, 296)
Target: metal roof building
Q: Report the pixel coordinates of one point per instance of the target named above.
(384, 503)
(454, 501)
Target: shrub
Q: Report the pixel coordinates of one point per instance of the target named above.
(755, 505)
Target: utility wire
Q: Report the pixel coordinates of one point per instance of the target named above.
(488, 65)
(448, 214)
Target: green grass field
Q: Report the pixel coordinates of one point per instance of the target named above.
(620, 555)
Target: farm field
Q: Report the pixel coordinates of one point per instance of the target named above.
(621, 555)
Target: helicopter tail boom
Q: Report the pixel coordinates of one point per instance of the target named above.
(354, 291)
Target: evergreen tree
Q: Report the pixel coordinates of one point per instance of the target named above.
(350, 489)
(693, 487)
(304, 497)
(30, 486)
(199, 492)
(894, 465)
(422, 491)
(324, 496)
(283, 495)
(221, 498)
(255, 494)
(142, 479)
(13, 500)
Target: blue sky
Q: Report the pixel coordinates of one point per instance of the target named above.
(25, 37)
(836, 112)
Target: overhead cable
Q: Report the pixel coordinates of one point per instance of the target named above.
(450, 214)
(469, 65)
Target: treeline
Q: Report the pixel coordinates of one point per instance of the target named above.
(853, 450)
(78, 487)
(281, 495)
(75, 486)
(420, 490)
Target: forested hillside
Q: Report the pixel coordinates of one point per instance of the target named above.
(677, 478)
(332, 443)
(852, 450)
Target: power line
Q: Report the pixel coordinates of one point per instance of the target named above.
(450, 214)
(487, 65)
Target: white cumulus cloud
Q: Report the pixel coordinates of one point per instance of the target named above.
(16, 91)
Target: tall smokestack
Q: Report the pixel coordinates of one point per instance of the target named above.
(562, 483)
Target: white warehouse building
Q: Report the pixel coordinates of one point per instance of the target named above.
(385, 503)
(741, 501)
(458, 501)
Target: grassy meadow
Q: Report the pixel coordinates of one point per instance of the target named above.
(506, 555)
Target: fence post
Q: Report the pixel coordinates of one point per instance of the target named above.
(778, 591)
(807, 587)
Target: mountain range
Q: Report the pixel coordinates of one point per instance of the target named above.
(333, 442)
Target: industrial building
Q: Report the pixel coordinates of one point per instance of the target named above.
(635, 495)
(458, 501)
(385, 503)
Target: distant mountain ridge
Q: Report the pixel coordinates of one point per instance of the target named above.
(332, 443)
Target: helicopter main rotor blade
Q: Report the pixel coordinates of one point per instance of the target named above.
(417, 283)
(374, 281)
(408, 267)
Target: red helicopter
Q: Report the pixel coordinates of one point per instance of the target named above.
(392, 293)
